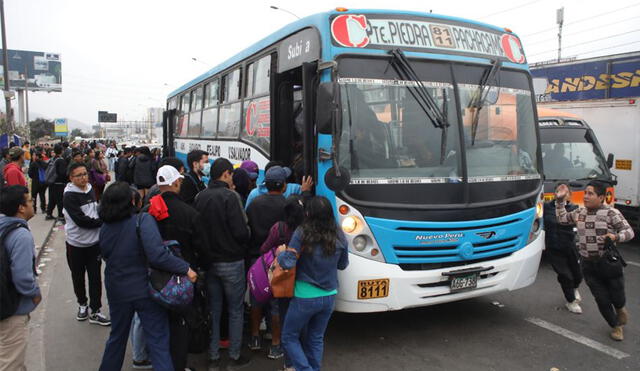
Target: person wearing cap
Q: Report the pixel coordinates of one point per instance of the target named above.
(198, 162)
(180, 222)
(252, 169)
(265, 211)
(228, 234)
(12, 172)
(82, 229)
(292, 188)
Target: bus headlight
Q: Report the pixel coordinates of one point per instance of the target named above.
(360, 243)
(350, 224)
(539, 209)
(536, 226)
(358, 233)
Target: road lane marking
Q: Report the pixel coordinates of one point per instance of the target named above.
(578, 338)
(633, 263)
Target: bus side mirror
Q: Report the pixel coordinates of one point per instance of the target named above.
(327, 108)
(610, 160)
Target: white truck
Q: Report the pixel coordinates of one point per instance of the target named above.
(604, 92)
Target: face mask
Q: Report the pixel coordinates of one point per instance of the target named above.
(206, 169)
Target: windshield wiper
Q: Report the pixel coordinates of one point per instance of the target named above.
(425, 100)
(480, 96)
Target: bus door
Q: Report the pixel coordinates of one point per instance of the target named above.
(292, 130)
(295, 82)
(168, 130)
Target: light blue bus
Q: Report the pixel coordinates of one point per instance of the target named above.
(420, 128)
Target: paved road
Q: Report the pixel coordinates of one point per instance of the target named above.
(524, 330)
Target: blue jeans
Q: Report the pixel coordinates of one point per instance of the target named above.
(155, 325)
(305, 350)
(226, 279)
(138, 344)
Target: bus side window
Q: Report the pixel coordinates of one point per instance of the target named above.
(210, 112)
(183, 117)
(229, 123)
(196, 112)
(257, 107)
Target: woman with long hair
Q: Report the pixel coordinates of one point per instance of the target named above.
(280, 233)
(318, 248)
(127, 258)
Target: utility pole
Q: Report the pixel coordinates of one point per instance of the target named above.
(26, 93)
(5, 61)
(560, 21)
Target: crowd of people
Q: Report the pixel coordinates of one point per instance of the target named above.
(207, 222)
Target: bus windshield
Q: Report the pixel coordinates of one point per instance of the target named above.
(570, 153)
(387, 135)
(387, 138)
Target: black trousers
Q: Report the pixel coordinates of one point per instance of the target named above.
(178, 340)
(39, 190)
(81, 260)
(609, 293)
(565, 262)
(56, 192)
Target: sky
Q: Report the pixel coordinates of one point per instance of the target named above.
(124, 56)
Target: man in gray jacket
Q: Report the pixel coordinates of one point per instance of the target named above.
(82, 229)
(22, 294)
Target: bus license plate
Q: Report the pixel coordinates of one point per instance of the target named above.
(464, 282)
(371, 289)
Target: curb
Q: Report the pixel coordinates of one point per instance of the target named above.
(46, 241)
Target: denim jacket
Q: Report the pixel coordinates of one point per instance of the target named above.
(315, 267)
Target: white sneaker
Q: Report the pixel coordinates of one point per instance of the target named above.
(578, 296)
(574, 307)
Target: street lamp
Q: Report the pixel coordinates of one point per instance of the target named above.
(200, 61)
(284, 10)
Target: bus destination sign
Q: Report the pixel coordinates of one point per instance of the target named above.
(362, 31)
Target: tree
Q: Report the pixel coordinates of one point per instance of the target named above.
(78, 133)
(41, 127)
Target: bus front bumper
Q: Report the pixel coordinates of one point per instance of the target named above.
(409, 289)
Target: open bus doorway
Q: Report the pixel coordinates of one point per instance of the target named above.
(293, 133)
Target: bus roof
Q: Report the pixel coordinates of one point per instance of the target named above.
(319, 21)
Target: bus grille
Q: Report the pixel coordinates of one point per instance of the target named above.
(451, 253)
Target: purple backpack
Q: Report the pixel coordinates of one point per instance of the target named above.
(258, 275)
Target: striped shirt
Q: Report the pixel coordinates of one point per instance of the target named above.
(593, 226)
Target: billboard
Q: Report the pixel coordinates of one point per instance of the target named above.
(61, 128)
(600, 79)
(104, 116)
(43, 69)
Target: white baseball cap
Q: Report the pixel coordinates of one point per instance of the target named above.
(167, 175)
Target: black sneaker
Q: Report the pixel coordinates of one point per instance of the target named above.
(254, 343)
(275, 352)
(142, 365)
(237, 364)
(214, 365)
(98, 318)
(83, 313)
(49, 217)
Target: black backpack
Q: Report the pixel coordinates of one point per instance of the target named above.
(50, 174)
(9, 296)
